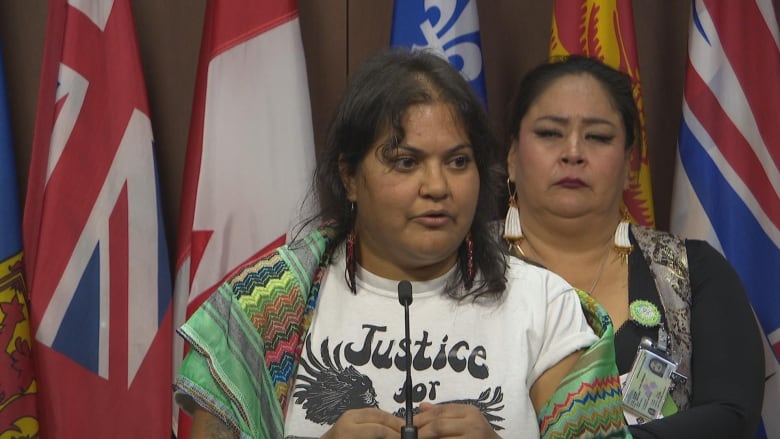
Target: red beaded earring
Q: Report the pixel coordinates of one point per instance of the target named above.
(351, 260)
(470, 272)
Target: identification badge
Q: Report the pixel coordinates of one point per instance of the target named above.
(649, 381)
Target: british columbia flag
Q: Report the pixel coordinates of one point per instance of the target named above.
(727, 182)
(97, 260)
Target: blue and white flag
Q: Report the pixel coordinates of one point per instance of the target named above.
(448, 27)
(727, 181)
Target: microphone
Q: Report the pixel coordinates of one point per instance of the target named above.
(408, 431)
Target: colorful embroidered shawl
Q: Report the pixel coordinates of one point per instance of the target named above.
(588, 402)
(247, 337)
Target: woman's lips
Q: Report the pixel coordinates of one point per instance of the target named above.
(572, 183)
(433, 219)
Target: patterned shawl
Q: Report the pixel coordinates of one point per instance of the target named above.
(588, 402)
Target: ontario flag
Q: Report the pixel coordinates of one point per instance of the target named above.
(604, 29)
(96, 256)
(250, 154)
(727, 180)
(18, 387)
(450, 28)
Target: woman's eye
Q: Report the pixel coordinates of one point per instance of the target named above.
(544, 133)
(460, 162)
(404, 162)
(601, 138)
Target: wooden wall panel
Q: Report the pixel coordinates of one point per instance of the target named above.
(369, 25)
(22, 28)
(515, 37)
(662, 41)
(324, 34)
(168, 35)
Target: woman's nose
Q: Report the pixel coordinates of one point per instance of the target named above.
(572, 152)
(434, 183)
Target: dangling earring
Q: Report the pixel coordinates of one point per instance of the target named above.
(351, 259)
(468, 281)
(621, 242)
(513, 233)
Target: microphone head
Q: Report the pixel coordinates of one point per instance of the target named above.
(405, 292)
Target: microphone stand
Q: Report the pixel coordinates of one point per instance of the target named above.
(408, 431)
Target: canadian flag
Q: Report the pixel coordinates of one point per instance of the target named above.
(250, 154)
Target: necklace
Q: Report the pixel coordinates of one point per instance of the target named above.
(598, 273)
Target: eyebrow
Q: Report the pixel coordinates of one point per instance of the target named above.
(587, 120)
(452, 150)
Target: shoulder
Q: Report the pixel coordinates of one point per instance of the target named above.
(702, 250)
(518, 268)
(700, 254)
(646, 236)
(299, 258)
(708, 266)
(529, 279)
(255, 272)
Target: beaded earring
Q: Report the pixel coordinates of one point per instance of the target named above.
(351, 260)
(468, 281)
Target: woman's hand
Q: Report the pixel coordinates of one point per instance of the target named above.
(452, 421)
(367, 423)
(205, 425)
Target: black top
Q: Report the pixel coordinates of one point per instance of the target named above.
(727, 358)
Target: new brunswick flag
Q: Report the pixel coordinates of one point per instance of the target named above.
(604, 29)
(18, 386)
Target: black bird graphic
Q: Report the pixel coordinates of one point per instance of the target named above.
(330, 389)
(486, 407)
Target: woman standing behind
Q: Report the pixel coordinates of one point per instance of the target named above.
(308, 341)
(574, 122)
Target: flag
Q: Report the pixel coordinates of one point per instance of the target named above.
(250, 154)
(448, 27)
(96, 256)
(18, 415)
(604, 29)
(726, 182)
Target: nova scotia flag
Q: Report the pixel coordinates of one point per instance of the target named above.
(727, 180)
(448, 27)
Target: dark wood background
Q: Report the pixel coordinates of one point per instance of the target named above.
(337, 36)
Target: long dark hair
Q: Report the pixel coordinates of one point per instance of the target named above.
(374, 102)
(617, 85)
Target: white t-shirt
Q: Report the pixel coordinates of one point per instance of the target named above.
(487, 353)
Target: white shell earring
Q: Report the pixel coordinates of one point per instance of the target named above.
(513, 233)
(621, 242)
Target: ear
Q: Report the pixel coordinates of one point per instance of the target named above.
(347, 179)
(510, 160)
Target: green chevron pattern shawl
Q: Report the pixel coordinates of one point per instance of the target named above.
(588, 402)
(247, 338)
